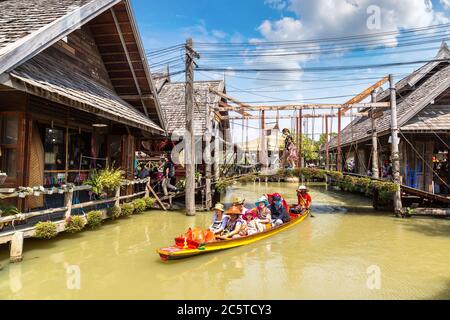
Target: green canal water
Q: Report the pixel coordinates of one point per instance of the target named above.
(348, 251)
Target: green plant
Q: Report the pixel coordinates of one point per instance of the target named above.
(149, 202)
(104, 180)
(223, 184)
(8, 210)
(127, 209)
(75, 224)
(139, 206)
(94, 219)
(45, 230)
(181, 184)
(115, 212)
(198, 176)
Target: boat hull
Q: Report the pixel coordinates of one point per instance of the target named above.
(178, 252)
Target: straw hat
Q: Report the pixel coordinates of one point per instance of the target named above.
(234, 211)
(301, 188)
(219, 207)
(238, 201)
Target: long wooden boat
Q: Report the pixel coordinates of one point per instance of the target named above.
(185, 248)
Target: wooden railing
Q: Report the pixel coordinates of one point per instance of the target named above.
(68, 199)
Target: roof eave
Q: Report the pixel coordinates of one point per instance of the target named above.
(148, 74)
(22, 50)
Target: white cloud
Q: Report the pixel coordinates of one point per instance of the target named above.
(445, 3)
(276, 4)
(325, 18)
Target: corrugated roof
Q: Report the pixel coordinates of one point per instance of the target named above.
(76, 90)
(173, 104)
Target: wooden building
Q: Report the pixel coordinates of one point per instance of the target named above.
(206, 117)
(76, 92)
(423, 108)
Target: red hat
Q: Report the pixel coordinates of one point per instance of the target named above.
(250, 212)
(276, 195)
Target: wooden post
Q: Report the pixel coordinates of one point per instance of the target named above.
(394, 148)
(117, 202)
(68, 199)
(375, 170)
(217, 151)
(189, 154)
(327, 145)
(300, 142)
(207, 158)
(339, 155)
(263, 143)
(147, 190)
(16, 247)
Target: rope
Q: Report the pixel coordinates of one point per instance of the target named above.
(424, 161)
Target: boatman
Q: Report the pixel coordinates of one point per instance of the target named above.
(304, 201)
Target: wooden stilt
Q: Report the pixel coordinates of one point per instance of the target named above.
(16, 247)
(158, 200)
(394, 148)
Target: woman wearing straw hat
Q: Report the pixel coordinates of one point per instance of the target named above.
(234, 225)
(239, 203)
(220, 220)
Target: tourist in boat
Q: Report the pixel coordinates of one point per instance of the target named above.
(219, 219)
(239, 203)
(235, 226)
(253, 226)
(304, 201)
(263, 214)
(278, 212)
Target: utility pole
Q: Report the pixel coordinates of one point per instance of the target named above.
(263, 156)
(339, 151)
(300, 138)
(327, 145)
(189, 152)
(395, 158)
(375, 171)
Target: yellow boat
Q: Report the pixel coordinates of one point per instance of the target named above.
(185, 249)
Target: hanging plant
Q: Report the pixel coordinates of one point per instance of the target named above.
(45, 230)
(127, 209)
(115, 212)
(94, 219)
(75, 224)
(149, 202)
(139, 206)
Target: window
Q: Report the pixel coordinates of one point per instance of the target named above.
(9, 139)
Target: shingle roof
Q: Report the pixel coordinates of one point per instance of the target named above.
(431, 118)
(173, 104)
(20, 18)
(72, 88)
(407, 108)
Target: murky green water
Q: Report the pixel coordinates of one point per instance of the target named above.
(336, 255)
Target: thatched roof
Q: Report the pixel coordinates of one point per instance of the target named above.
(414, 93)
(172, 100)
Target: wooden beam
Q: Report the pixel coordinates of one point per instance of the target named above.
(307, 106)
(227, 107)
(364, 94)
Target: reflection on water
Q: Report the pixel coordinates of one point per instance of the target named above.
(329, 256)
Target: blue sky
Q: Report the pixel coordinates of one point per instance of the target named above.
(170, 22)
